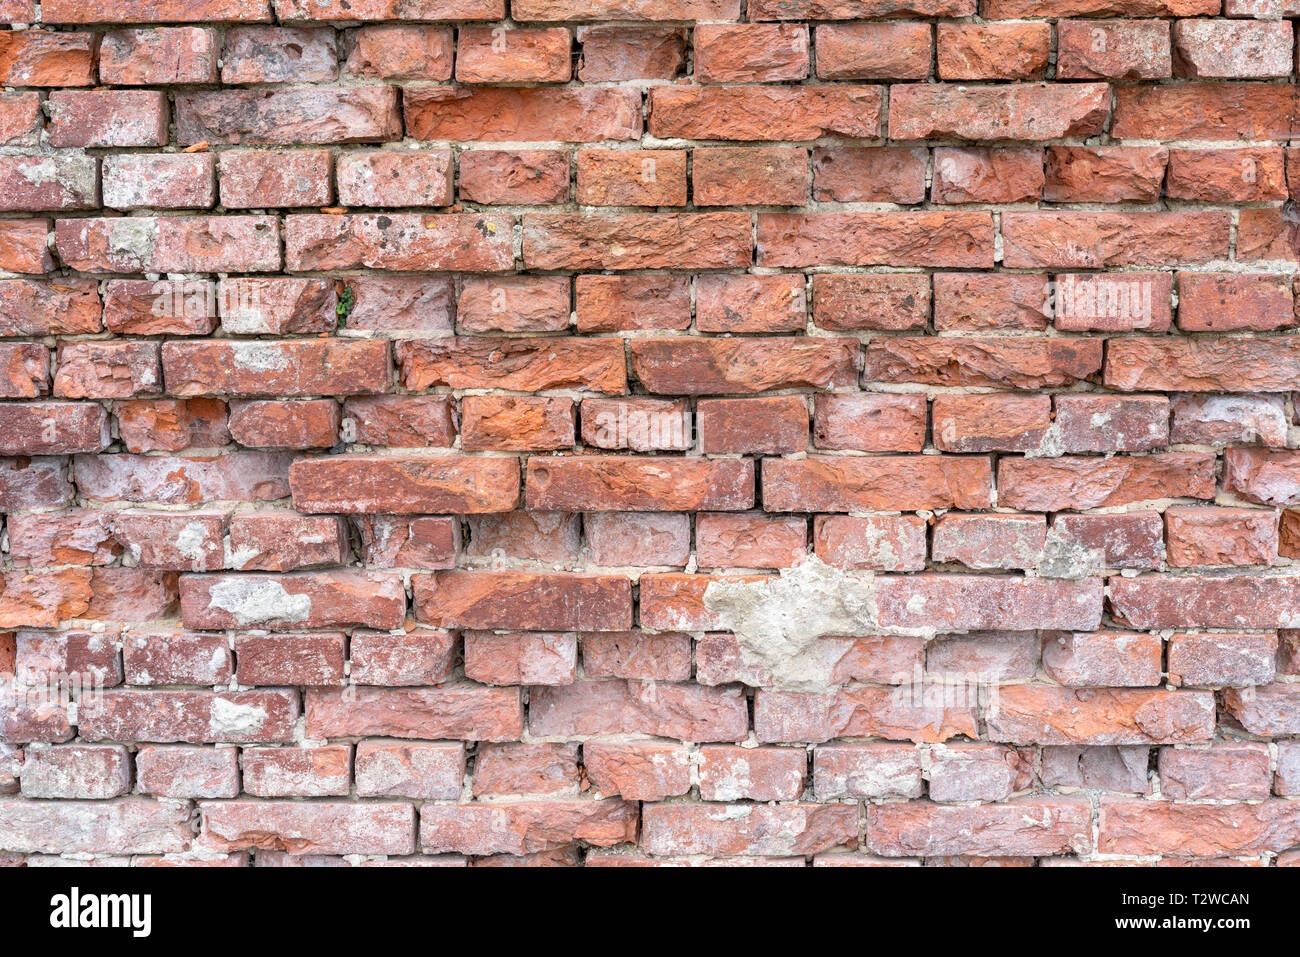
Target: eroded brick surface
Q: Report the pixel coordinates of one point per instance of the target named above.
(649, 432)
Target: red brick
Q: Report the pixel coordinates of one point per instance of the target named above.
(160, 55)
(106, 370)
(390, 9)
(400, 303)
(1032, 112)
(169, 244)
(611, 483)
(845, 302)
(1112, 50)
(433, 771)
(532, 536)
(764, 113)
(23, 246)
(975, 602)
(401, 421)
(1221, 536)
(532, 601)
(283, 541)
(153, 11)
(329, 599)
(290, 367)
(1227, 302)
(129, 826)
(1203, 419)
(636, 240)
(1093, 240)
(637, 655)
(26, 370)
(52, 428)
(108, 118)
(1105, 174)
(189, 716)
(394, 541)
(45, 58)
(1225, 364)
(631, 177)
(1024, 363)
(921, 238)
(1169, 601)
(522, 114)
(1232, 49)
(418, 656)
(982, 175)
(830, 483)
(401, 241)
(170, 425)
(630, 53)
(1106, 658)
(1195, 830)
(874, 51)
(20, 119)
(1047, 714)
(866, 771)
(749, 540)
(1071, 482)
(750, 52)
(638, 538)
(764, 425)
(1216, 660)
(393, 178)
(749, 176)
(636, 771)
(617, 303)
(730, 773)
(857, 711)
(1036, 826)
(1088, 302)
(876, 174)
(459, 711)
(279, 55)
(264, 179)
(161, 181)
(273, 424)
(309, 114)
(359, 484)
(514, 304)
(289, 659)
(1261, 476)
(989, 541)
(514, 177)
(876, 543)
(869, 422)
(979, 772)
(498, 55)
(684, 711)
(1254, 174)
(176, 658)
(1202, 111)
(188, 772)
(399, 51)
(56, 182)
(177, 541)
(637, 424)
(520, 658)
(324, 771)
(993, 51)
(524, 827)
(1106, 423)
(694, 366)
(321, 828)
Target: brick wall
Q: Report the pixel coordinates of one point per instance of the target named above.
(641, 431)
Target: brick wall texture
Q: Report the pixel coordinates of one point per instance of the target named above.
(620, 432)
